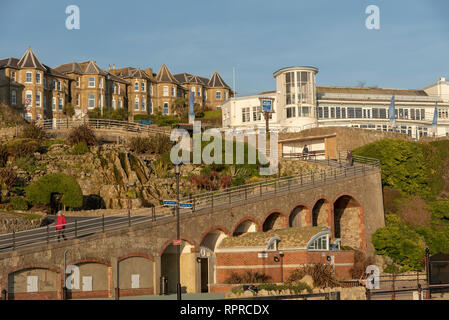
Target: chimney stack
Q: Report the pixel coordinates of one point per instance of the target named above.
(113, 66)
(109, 67)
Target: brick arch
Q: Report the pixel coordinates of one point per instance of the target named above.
(361, 226)
(221, 228)
(169, 242)
(329, 211)
(308, 217)
(281, 214)
(135, 254)
(35, 266)
(93, 260)
(258, 225)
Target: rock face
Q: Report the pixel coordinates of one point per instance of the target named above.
(110, 177)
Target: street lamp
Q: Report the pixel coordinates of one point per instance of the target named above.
(178, 247)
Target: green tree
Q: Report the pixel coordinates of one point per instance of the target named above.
(69, 111)
(40, 191)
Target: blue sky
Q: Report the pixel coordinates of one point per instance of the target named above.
(256, 37)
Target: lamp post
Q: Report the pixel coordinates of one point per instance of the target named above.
(178, 247)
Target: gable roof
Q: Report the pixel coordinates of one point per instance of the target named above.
(130, 72)
(91, 67)
(29, 60)
(9, 63)
(217, 81)
(164, 75)
(71, 67)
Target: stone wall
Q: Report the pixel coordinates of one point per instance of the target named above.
(13, 222)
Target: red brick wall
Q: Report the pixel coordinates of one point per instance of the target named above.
(249, 261)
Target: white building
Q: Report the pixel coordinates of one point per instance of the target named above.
(300, 104)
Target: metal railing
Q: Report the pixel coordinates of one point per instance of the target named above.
(104, 124)
(203, 201)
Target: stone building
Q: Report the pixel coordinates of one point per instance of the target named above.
(40, 92)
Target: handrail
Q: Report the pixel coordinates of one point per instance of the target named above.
(200, 202)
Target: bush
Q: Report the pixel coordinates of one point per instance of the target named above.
(120, 114)
(32, 131)
(361, 262)
(22, 147)
(26, 163)
(82, 134)
(322, 275)
(40, 191)
(8, 178)
(158, 144)
(248, 277)
(19, 203)
(3, 155)
(139, 144)
(80, 148)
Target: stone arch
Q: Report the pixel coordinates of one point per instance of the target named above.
(210, 241)
(135, 274)
(274, 220)
(348, 221)
(169, 258)
(46, 284)
(320, 212)
(247, 224)
(299, 216)
(95, 278)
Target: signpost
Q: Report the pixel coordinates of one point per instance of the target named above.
(170, 202)
(185, 205)
(267, 109)
(177, 242)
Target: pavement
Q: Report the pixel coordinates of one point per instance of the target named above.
(185, 296)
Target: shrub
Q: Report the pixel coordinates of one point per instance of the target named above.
(41, 190)
(322, 275)
(3, 155)
(82, 134)
(19, 203)
(32, 131)
(26, 163)
(80, 148)
(139, 144)
(22, 147)
(8, 177)
(361, 262)
(248, 277)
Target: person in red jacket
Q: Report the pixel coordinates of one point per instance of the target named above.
(60, 225)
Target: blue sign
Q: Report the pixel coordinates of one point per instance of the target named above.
(267, 105)
(170, 202)
(185, 205)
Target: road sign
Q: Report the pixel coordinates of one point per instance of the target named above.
(177, 242)
(170, 202)
(267, 105)
(185, 205)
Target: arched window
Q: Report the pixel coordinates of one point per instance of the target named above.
(320, 241)
(136, 86)
(142, 86)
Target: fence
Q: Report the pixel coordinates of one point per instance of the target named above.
(106, 124)
(269, 188)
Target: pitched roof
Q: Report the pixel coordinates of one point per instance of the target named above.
(217, 81)
(164, 75)
(71, 67)
(130, 72)
(29, 60)
(91, 67)
(9, 63)
(191, 78)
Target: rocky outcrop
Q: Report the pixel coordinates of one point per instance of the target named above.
(13, 222)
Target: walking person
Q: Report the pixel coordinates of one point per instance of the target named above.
(349, 157)
(60, 225)
(305, 152)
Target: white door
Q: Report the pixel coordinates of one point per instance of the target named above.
(87, 283)
(32, 283)
(135, 281)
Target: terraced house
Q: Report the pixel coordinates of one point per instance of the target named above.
(39, 92)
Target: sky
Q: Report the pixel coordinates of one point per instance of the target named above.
(256, 37)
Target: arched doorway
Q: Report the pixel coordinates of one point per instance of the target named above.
(320, 213)
(298, 217)
(187, 261)
(135, 276)
(244, 227)
(208, 260)
(33, 283)
(347, 221)
(272, 222)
